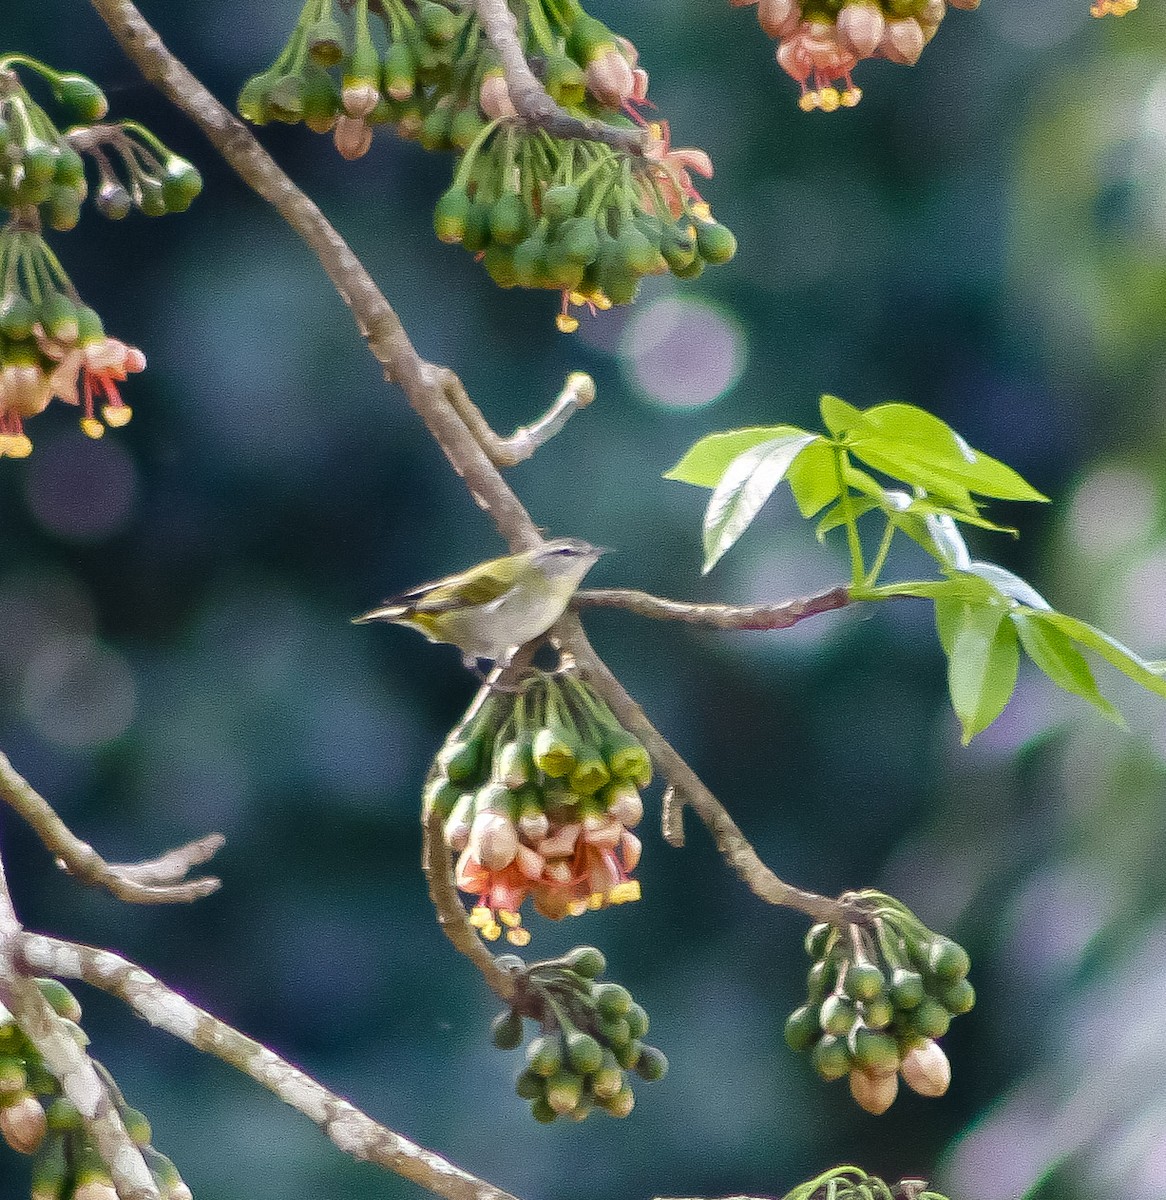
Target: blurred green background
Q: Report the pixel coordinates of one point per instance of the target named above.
(985, 235)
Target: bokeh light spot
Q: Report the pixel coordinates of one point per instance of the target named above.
(1114, 508)
(683, 353)
(81, 489)
(78, 694)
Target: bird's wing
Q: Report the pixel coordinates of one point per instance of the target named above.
(487, 585)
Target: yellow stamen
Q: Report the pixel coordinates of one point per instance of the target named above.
(808, 101)
(701, 211)
(508, 918)
(829, 99)
(481, 917)
(117, 415)
(595, 901)
(577, 908)
(14, 445)
(565, 323)
(92, 427)
(624, 893)
(518, 937)
(851, 97)
(577, 299)
(656, 130)
(601, 301)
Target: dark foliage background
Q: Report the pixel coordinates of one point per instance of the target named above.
(983, 236)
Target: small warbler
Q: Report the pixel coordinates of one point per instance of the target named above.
(490, 610)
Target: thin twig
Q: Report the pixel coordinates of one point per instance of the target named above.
(73, 1069)
(530, 98)
(451, 914)
(352, 1131)
(577, 393)
(687, 787)
(782, 615)
(159, 881)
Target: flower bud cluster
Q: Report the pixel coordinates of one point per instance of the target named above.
(820, 43)
(42, 167)
(37, 1119)
(880, 993)
(853, 1183)
(591, 1037)
(574, 217)
(539, 792)
(425, 67)
(52, 345)
(578, 217)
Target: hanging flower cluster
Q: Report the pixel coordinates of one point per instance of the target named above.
(1112, 8)
(880, 994)
(38, 1120)
(820, 43)
(539, 792)
(42, 167)
(53, 346)
(591, 1037)
(575, 217)
(578, 218)
(853, 1183)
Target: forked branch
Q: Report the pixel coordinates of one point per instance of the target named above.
(162, 880)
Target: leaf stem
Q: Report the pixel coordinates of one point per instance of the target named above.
(857, 569)
(881, 557)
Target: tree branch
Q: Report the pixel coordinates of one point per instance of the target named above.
(350, 1130)
(160, 881)
(783, 615)
(687, 788)
(451, 913)
(530, 98)
(577, 393)
(71, 1066)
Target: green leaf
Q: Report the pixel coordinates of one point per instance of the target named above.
(837, 515)
(1051, 649)
(813, 479)
(1114, 653)
(921, 441)
(744, 487)
(982, 665)
(708, 459)
(838, 416)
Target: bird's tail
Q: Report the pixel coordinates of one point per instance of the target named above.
(387, 612)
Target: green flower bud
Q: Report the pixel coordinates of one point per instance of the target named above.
(579, 240)
(506, 1030)
(830, 1058)
(70, 170)
(254, 102)
(653, 1064)
(13, 1078)
(508, 219)
(435, 129)
(542, 1112)
(113, 201)
(499, 263)
(637, 1019)
(560, 202)
(529, 1085)
(399, 72)
(628, 1055)
(877, 1013)
(40, 161)
(837, 1015)
(816, 939)
(612, 1000)
(440, 797)
(438, 25)
(621, 1104)
(863, 981)
(614, 1031)
(930, 1019)
(326, 42)
(63, 1115)
(564, 1090)
(906, 988)
(460, 761)
(586, 961)
(285, 99)
(17, 317)
(565, 81)
(608, 1081)
(321, 101)
(820, 979)
(82, 95)
(467, 123)
(181, 184)
(948, 961)
(715, 243)
(64, 209)
(544, 1055)
(450, 215)
(590, 772)
(49, 1169)
(802, 1028)
(61, 1000)
(530, 263)
(137, 1125)
(561, 271)
(958, 999)
(477, 233)
(873, 1052)
(554, 751)
(584, 1053)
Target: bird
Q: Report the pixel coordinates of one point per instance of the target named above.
(490, 610)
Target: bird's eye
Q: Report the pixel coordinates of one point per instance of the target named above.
(567, 550)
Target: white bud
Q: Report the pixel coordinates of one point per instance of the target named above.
(875, 1093)
(926, 1069)
(23, 1124)
(861, 28)
(493, 840)
(779, 18)
(352, 137)
(494, 98)
(903, 42)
